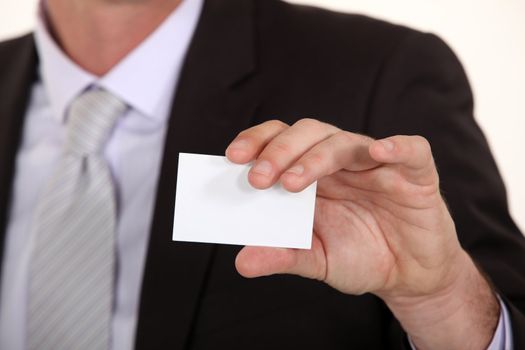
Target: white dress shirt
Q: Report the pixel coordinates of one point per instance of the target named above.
(145, 79)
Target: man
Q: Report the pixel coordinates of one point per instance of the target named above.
(88, 260)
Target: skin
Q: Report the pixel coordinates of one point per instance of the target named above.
(97, 34)
(381, 225)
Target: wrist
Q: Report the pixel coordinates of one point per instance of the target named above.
(462, 315)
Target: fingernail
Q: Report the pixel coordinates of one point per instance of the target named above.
(387, 145)
(263, 167)
(296, 170)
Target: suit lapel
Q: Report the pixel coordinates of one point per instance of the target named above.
(210, 107)
(18, 64)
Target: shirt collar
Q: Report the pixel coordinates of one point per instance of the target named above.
(141, 79)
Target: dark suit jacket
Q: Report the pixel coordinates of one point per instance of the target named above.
(253, 60)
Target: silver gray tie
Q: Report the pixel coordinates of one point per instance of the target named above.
(73, 260)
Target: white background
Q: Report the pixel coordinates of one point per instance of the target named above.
(487, 35)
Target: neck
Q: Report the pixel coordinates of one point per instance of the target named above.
(97, 34)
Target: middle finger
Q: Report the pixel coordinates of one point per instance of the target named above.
(283, 150)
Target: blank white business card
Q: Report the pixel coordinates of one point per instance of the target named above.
(216, 204)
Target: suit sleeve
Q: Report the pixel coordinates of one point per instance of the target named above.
(422, 89)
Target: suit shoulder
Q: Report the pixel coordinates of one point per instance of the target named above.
(11, 50)
(323, 29)
(11, 44)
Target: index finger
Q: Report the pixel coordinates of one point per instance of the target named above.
(250, 142)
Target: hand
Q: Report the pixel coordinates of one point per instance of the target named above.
(380, 225)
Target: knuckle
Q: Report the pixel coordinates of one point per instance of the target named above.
(259, 132)
(275, 123)
(280, 148)
(314, 160)
(315, 125)
(422, 144)
(424, 148)
(345, 137)
(244, 133)
(308, 123)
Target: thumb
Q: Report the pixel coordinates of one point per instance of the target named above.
(264, 261)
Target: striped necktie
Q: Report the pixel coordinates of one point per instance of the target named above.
(72, 267)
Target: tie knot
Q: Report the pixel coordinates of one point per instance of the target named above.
(92, 116)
